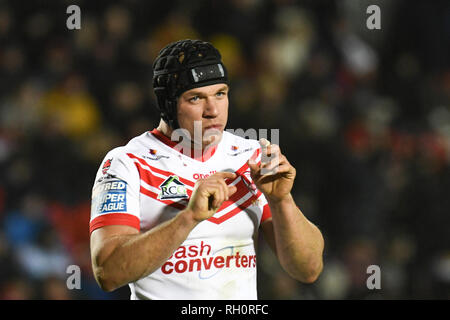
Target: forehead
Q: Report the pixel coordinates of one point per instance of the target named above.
(211, 89)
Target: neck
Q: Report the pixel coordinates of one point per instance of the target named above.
(165, 129)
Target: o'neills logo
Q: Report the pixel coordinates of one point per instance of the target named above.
(201, 258)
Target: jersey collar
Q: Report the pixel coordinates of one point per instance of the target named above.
(205, 156)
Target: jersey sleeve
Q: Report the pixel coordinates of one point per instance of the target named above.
(115, 194)
(266, 213)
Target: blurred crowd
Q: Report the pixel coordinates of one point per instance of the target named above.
(364, 116)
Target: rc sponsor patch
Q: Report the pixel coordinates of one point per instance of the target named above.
(172, 188)
(110, 196)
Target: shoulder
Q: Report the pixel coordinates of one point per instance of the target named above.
(119, 162)
(136, 145)
(121, 159)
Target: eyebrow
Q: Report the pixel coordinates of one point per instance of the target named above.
(225, 87)
(199, 93)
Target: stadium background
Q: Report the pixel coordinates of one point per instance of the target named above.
(363, 115)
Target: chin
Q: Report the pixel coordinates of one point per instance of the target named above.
(212, 137)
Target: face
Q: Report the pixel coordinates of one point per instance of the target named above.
(204, 110)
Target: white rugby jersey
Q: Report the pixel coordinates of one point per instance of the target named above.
(148, 181)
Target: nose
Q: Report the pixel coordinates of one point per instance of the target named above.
(211, 109)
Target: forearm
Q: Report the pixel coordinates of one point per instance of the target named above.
(299, 243)
(135, 256)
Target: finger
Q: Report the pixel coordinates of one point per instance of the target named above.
(271, 150)
(231, 190)
(284, 169)
(212, 199)
(222, 192)
(224, 188)
(264, 143)
(273, 169)
(271, 160)
(273, 164)
(254, 167)
(221, 184)
(224, 175)
(216, 194)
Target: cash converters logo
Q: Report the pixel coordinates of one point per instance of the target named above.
(200, 258)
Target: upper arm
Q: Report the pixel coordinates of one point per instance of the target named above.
(115, 208)
(268, 233)
(106, 239)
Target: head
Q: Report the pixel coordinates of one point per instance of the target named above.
(191, 86)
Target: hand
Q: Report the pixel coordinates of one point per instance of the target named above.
(209, 194)
(275, 177)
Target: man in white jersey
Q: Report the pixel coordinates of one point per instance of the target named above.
(176, 212)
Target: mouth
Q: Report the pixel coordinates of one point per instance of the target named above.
(214, 126)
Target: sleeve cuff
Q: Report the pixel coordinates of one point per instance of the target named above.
(266, 214)
(124, 219)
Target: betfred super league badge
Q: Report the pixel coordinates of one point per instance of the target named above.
(110, 196)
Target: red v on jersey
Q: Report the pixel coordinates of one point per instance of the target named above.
(162, 172)
(148, 174)
(205, 155)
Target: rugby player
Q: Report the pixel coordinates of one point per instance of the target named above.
(176, 212)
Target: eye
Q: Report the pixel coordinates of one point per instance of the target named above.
(194, 99)
(221, 93)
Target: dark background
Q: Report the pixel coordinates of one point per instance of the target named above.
(364, 116)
